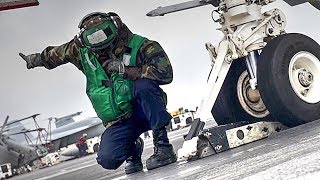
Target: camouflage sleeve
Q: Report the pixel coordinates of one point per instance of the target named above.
(54, 56)
(154, 64)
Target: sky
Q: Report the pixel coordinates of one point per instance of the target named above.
(59, 92)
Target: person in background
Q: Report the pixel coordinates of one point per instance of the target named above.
(82, 145)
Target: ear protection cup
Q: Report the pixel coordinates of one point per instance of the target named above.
(116, 19)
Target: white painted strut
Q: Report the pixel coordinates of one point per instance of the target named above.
(215, 81)
(220, 71)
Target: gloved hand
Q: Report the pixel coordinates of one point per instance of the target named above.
(132, 73)
(32, 60)
(116, 66)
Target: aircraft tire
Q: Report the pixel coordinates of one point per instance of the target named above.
(289, 78)
(315, 3)
(96, 148)
(232, 104)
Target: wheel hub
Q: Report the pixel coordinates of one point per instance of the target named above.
(305, 77)
(253, 95)
(250, 99)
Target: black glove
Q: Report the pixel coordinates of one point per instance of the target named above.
(32, 60)
(116, 66)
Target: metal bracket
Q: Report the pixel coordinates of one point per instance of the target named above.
(221, 138)
(196, 126)
(229, 136)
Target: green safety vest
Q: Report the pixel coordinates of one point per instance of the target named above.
(111, 96)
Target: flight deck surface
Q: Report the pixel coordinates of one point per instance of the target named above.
(290, 154)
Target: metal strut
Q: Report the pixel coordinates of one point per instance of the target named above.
(161, 11)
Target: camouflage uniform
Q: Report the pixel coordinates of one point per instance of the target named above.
(152, 61)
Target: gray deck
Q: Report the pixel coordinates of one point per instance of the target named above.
(290, 154)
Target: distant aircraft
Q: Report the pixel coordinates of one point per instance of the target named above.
(67, 132)
(16, 153)
(12, 151)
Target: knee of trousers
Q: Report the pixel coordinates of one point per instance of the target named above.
(109, 163)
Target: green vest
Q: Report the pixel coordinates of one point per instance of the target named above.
(111, 96)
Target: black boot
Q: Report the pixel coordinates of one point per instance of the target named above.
(163, 150)
(134, 163)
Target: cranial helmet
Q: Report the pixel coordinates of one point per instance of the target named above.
(98, 30)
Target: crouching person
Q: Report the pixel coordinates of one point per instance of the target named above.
(124, 72)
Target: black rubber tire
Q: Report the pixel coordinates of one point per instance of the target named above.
(227, 108)
(274, 84)
(315, 3)
(96, 148)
